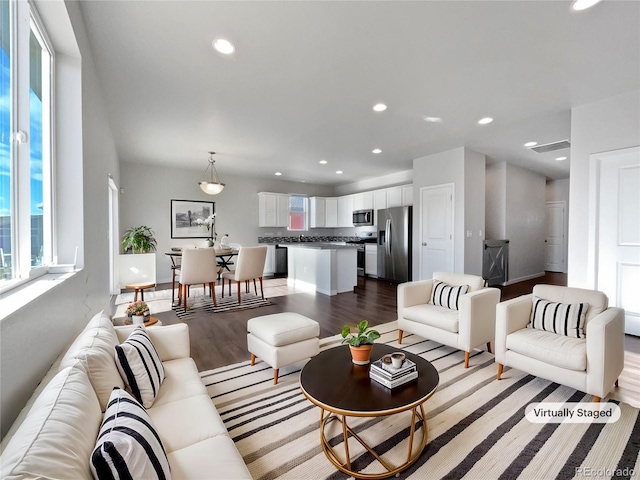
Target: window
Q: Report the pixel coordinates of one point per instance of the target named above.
(26, 64)
(297, 213)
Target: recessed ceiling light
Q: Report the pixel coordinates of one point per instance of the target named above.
(277, 174)
(376, 150)
(433, 119)
(485, 120)
(583, 4)
(379, 107)
(561, 158)
(224, 46)
(323, 162)
(530, 144)
(339, 172)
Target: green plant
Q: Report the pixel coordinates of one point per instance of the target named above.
(139, 239)
(137, 308)
(362, 336)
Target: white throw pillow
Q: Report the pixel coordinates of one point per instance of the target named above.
(140, 366)
(445, 295)
(561, 318)
(128, 445)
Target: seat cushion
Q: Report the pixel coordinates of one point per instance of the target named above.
(211, 459)
(281, 329)
(433, 315)
(128, 444)
(444, 295)
(561, 318)
(559, 350)
(181, 380)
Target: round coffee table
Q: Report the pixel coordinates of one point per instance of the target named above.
(332, 382)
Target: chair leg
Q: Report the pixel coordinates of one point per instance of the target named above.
(489, 349)
(466, 359)
(173, 286)
(261, 289)
(135, 296)
(617, 385)
(212, 287)
(500, 367)
(253, 359)
(239, 297)
(246, 286)
(255, 288)
(275, 376)
(400, 332)
(596, 399)
(185, 295)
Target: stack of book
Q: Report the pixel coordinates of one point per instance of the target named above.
(393, 377)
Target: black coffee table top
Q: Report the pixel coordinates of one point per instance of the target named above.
(332, 380)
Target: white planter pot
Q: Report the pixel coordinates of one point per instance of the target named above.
(137, 319)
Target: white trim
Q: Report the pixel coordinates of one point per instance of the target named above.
(522, 279)
(114, 237)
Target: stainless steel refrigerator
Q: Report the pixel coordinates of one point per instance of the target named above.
(394, 244)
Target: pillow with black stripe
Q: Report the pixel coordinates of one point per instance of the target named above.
(561, 318)
(140, 366)
(445, 295)
(128, 445)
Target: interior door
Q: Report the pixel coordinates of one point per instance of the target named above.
(619, 233)
(436, 230)
(555, 239)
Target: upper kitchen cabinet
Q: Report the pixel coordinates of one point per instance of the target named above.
(331, 212)
(363, 201)
(407, 195)
(394, 197)
(345, 211)
(318, 212)
(273, 209)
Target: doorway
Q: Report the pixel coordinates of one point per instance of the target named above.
(436, 230)
(556, 240)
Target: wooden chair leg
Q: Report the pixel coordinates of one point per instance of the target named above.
(500, 367)
(253, 359)
(466, 359)
(185, 295)
(275, 376)
(261, 289)
(212, 287)
(489, 349)
(400, 332)
(617, 385)
(239, 297)
(255, 287)
(173, 286)
(135, 296)
(596, 399)
(142, 295)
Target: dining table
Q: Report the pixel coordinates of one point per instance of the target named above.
(224, 257)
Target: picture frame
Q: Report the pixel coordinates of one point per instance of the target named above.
(184, 213)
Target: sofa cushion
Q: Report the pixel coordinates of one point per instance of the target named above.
(433, 315)
(213, 458)
(561, 318)
(128, 445)
(56, 438)
(181, 380)
(140, 366)
(444, 295)
(94, 348)
(551, 348)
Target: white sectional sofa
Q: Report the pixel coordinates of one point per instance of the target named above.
(56, 432)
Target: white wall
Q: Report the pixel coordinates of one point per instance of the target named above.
(557, 191)
(32, 337)
(474, 211)
(496, 201)
(610, 124)
(236, 207)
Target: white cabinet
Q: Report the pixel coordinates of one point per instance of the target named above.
(363, 201)
(273, 209)
(270, 262)
(317, 212)
(394, 197)
(371, 260)
(345, 211)
(379, 203)
(407, 195)
(331, 211)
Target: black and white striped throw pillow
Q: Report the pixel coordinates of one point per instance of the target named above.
(128, 445)
(140, 366)
(562, 318)
(445, 295)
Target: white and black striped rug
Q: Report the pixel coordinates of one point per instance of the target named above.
(477, 425)
(200, 304)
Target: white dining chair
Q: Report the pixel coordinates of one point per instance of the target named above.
(249, 266)
(198, 266)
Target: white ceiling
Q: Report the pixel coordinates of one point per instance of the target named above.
(305, 76)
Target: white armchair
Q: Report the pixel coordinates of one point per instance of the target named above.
(472, 325)
(591, 364)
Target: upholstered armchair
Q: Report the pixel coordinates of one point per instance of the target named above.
(574, 339)
(462, 316)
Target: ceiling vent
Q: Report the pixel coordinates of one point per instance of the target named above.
(550, 147)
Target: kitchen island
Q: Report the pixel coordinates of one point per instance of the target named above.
(327, 268)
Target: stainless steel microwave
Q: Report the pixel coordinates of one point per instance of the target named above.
(362, 218)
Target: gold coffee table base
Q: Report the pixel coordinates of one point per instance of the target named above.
(333, 457)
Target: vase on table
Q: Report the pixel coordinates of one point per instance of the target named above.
(137, 319)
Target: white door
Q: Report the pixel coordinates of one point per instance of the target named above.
(555, 239)
(436, 230)
(619, 233)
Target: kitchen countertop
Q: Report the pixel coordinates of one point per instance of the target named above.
(319, 245)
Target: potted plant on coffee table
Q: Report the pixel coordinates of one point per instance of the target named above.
(360, 341)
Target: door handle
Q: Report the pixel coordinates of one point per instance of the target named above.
(424, 244)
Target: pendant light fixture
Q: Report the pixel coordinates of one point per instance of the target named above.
(213, 186)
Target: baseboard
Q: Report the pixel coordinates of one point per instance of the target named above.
(522, 279)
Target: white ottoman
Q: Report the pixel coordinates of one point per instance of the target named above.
(281, 339)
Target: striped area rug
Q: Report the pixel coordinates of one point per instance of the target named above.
(201, 304)
(477, 427)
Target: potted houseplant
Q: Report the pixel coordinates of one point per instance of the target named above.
(360, 341)
(137, 311)
(139, 240)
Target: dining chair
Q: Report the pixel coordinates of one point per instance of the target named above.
(249, 266)
(198, 266)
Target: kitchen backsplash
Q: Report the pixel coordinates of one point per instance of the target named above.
(305, 238)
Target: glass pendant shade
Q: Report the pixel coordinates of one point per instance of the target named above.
(213, 186)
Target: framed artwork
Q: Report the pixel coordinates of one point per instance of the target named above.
(184, 216)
